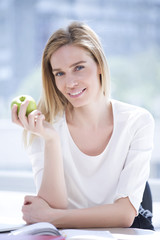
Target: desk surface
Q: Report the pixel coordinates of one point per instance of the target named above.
(134, 233)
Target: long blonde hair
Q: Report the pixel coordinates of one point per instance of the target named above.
(79, 34)
(52, 102)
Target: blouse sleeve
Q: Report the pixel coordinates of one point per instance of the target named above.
(36, 156)
(136, 169)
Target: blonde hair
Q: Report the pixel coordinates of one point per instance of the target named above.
(52, 102)
(78, 34)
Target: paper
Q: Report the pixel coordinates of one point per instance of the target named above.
(86, 234)
(147, 236)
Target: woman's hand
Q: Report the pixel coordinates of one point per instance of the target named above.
(35, 209)
(35, 122)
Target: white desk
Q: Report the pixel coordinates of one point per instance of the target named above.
(134, 233)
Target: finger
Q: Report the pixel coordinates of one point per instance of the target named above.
(22, 114)
(25, 214)
(39, 121)
(32, 118)
(14, 115)
(25, 219)
(23, 108)
(24, 208)
(28, 199)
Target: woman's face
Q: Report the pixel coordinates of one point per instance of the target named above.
(76, 75)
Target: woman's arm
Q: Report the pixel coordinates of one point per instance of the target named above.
(119, 214)
(52, 189)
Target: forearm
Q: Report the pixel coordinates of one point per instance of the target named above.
(119, 214)
(53, 189)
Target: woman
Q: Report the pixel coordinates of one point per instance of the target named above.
(90, 154)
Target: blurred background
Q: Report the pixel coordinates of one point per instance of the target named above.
(130, 34)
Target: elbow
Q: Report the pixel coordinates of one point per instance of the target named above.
(63, 205)
(127, 212)
(127, 220)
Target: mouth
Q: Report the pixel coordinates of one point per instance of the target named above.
(76, 94)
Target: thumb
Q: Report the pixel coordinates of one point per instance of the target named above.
(28, 199)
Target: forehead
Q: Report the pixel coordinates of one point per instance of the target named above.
(69, 54)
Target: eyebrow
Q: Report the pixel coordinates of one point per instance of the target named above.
(72, 65)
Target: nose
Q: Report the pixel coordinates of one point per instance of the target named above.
(71, 82)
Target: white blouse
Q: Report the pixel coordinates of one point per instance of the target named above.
(121, 170)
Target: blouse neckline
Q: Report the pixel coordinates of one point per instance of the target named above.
(76, 148)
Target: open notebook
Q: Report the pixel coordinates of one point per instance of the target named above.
(45, 228)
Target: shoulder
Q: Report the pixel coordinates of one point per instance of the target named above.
(131, 112)
(133, 118)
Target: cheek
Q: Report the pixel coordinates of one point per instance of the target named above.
(59, 85)
(88, 75)
(94, 76)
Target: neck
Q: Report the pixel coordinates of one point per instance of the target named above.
(92, 115)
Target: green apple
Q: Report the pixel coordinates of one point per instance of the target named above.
(20, 99)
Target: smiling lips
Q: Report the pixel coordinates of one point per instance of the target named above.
(76, 94)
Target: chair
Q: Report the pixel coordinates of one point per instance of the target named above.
(144, 218)
(147, 198)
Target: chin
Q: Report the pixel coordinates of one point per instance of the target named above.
(80, 104)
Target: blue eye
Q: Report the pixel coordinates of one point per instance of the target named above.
(79, 68)
(59, 74)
